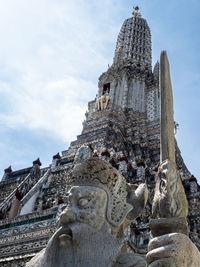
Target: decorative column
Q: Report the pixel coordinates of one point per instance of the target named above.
(15, 205)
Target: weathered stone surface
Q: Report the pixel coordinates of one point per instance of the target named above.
(14, 208)
(169, 199)
(90, 232)
(82, 154)
(171, 246)
(167, 112)
(90, 227)
(175, 250)
(168, 225)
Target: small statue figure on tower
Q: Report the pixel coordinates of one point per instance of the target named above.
(136, 11)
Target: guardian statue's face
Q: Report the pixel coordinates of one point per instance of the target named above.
(86, 204)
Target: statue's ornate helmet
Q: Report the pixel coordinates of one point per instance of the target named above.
(99, 173)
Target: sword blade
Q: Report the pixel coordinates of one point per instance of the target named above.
(166, 111)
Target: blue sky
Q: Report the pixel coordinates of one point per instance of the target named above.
(52, 53)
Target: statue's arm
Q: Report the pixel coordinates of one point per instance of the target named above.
(172, 250)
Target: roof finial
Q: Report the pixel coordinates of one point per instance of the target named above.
(136, 11)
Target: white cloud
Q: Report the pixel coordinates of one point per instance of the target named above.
(57, 107)
(54, 37)
(48, 55)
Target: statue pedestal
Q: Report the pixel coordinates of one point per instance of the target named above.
(165, 226)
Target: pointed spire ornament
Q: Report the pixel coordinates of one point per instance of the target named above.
(136, 11)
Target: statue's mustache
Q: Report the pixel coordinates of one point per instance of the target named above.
(67, 217)
(64, 230)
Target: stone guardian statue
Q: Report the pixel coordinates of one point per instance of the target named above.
(100, 206)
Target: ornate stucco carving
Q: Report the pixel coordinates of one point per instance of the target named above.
(102, 102)
(99, 173)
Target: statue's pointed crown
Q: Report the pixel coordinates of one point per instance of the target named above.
(99, 173)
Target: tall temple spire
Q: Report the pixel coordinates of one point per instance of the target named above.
(127, 88)
(134, 42)
(129, 82)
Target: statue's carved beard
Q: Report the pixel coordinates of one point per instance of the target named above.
(88, 247)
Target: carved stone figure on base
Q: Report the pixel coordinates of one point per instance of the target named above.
(91, 227)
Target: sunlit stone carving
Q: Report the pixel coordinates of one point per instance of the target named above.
(91, 227)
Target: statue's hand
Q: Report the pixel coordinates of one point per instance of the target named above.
(172, 250)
